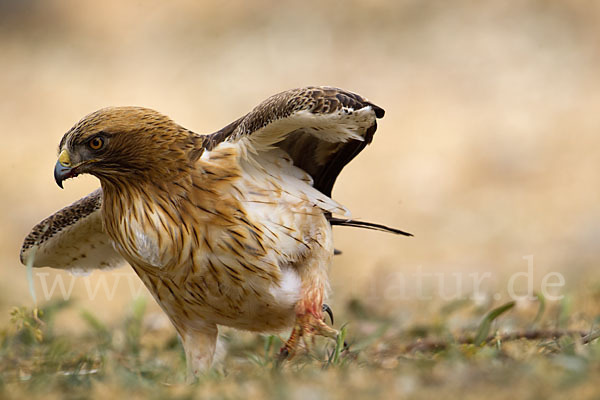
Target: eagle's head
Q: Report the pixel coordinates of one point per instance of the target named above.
(119, 144)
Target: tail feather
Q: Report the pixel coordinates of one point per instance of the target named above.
(366, 225)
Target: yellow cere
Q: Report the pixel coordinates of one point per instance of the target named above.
(64, 158)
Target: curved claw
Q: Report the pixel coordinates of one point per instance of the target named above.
(329, 312)
(284, 354)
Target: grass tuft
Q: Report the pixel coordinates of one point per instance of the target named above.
(376, 357)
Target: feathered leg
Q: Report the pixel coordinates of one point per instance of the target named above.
(199, 345)
(309, 309)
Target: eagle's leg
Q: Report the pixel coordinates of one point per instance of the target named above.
(307, 326)
(309, 319)
(199, 344)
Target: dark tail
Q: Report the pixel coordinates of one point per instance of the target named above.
(366, 225)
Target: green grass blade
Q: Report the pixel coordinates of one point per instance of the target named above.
(541, 308)
(97, 326)
(339, 345)
(484, 327)
(29, 266)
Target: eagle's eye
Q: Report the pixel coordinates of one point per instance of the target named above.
(96, 143)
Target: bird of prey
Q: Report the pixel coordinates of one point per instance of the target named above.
(231, 228)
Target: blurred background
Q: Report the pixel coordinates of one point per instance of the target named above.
(488, 152)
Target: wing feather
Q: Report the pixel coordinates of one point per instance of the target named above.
(73, 239)
(321, 128)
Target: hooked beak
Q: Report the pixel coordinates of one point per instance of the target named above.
(63, 168)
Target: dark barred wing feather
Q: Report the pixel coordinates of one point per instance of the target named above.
(321, 128)
(72, 238)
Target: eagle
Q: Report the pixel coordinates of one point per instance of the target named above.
(232, 228)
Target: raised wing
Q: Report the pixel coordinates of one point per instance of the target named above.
(321, 128)
(72, 239)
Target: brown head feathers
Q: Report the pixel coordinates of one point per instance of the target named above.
(132, 143)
